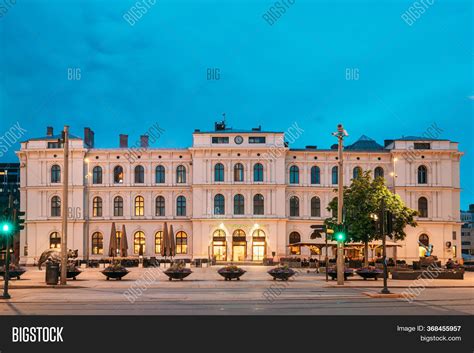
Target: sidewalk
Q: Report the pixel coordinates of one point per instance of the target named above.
(255, 277)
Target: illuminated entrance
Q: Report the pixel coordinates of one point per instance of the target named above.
(239, 245)
(219, 245)
(258, 245)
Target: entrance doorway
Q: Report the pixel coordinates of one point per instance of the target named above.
(258, 245)
(239, 250)
(219, 245)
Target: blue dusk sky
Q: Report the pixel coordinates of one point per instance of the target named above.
(383, 68)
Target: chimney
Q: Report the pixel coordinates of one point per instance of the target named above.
(123, 141)
(49, 131)
(144, 141)
(88, 137)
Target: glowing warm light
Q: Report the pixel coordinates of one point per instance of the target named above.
(392, 173)
(87, 160)
(395, 159)
(221, 225)
(256, 225)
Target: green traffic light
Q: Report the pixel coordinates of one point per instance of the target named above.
(6, 227)
(340, 236)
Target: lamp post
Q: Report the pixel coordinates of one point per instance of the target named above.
(6, 228)
(340, 134)
(64, 206)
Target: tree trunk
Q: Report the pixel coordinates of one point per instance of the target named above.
(366, 254)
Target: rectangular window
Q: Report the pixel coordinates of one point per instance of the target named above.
(422, 145)
(257, 139)
(454, 235)
(55, 144)
(220, 139)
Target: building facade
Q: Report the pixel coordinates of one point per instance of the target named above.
(467, 233)
(238, 195)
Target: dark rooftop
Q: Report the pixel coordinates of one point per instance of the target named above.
(364, 143)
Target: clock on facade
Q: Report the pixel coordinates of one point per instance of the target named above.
(238, 139)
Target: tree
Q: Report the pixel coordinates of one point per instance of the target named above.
(362, 200)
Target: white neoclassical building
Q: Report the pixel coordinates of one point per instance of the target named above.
(238, 195)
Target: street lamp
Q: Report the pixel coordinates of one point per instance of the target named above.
(340, 134)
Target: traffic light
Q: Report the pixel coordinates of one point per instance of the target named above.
(19, 222)
(340, 233)
(6, 227)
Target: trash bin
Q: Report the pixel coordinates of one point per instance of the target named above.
(52, 273)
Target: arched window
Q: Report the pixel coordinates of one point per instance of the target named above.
(118, 175)
(219, 172)
(295, 238)
(181, 243)
(97, 175)
(97, 244)
(159, 174)
(258, 204)
(378, 172)
(218, 233)
(238, 172)
(139, 174)
(423, 207)
(315, 207)
(294, 175)
(54, 240)
(55, 174)
(334, 175)
(97, 207)
(422, 175)
(158, 241)
(294, 206)
(239, 233)
(139, 243)
(258, 172)
(239, 204)
(160, 206)
(219, 204)
(118, 206)
(258, 233)
(181, 174)
(139, 206)
(181, 206)
(55, 206)
(315, 175)
(424, 239)
(356, 172)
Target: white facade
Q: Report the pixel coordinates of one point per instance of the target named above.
(208, 233)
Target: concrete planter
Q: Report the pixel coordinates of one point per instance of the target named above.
(178, 274)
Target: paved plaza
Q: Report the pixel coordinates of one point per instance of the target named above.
(147, 291)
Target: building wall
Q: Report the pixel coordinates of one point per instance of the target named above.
(200, 188)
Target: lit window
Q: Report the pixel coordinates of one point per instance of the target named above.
(139, 206)
(139, 243)
(97, 244)
(118, 175)
(181, 174)
(97, 207)
(54, 240)
(294, 239)
(158, 241)
(181, 243)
